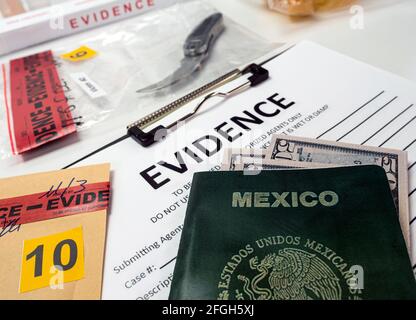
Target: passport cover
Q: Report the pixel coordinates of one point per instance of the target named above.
(325, 234)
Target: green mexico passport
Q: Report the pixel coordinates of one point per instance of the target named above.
(317, 234)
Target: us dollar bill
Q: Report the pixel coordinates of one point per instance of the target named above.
(278, 164)
(255, 160)
(233, 158)
(394, 162)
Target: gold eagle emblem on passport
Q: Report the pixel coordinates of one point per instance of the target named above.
(292, 274)
(288, 268)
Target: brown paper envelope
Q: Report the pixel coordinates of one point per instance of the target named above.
(92, 224)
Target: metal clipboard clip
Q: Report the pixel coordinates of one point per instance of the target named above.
(146, 139)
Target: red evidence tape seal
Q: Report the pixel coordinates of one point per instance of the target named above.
(55, 203)
(39, 108)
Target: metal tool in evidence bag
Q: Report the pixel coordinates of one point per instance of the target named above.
(197, 49)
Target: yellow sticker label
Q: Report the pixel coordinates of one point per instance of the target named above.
(52, 261)
(80, 54)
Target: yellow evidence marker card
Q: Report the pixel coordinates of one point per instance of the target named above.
(81, 54)
(52, 260)
(52, 234)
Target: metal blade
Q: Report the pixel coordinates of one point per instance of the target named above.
(187, 68)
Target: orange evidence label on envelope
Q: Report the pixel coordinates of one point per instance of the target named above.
(52, 261)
